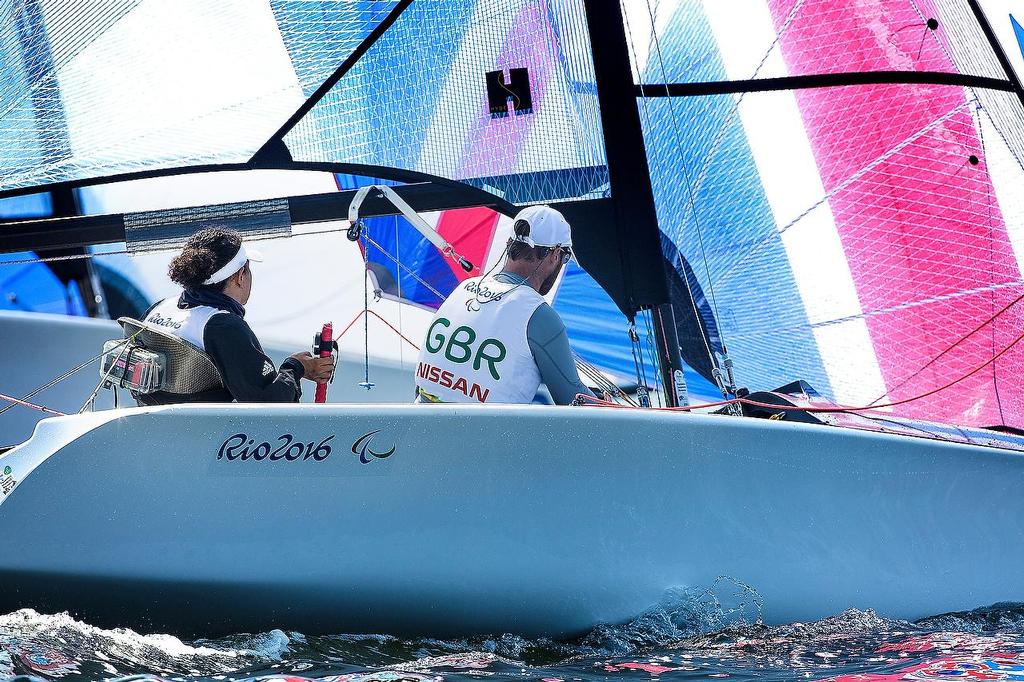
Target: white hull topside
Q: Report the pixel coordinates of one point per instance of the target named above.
(529, 519)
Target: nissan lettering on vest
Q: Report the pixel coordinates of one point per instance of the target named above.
(446, 379)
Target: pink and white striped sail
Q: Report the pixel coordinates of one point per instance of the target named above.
(864, 237)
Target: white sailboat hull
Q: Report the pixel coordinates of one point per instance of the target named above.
(536, 520)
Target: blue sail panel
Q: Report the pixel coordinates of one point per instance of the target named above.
(597, 331)
(712, 206)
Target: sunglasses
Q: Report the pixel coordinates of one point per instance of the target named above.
(566, 253)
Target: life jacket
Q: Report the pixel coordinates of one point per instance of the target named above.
(476, 350)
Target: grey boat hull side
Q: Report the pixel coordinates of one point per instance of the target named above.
(537, 520)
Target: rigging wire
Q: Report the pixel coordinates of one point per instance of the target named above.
(652, 356)
(366, 383)
(33, 393)
(677, 138)
(398, 281)
(991, 252)
(61, 377)
(690, 194)
(382, 319)
(638, 364)
(641, 377)
(24, 403)
(601, 381)
(817, 408)
(404, 267)
(90, 402)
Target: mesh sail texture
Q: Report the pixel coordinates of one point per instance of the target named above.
(169, 228)
(419, 100)
(865, 238)
(835, 37)
(89, 90)
(321, 34)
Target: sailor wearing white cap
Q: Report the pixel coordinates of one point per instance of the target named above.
(495, 339)
(213, 269)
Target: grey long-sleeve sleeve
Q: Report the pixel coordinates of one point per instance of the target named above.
(550, 346)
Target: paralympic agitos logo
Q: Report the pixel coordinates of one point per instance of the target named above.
(362, 448)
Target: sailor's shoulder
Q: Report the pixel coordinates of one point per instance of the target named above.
(527, 294)
(471, 283)
(161, 305)
(545, 320)
(224, 319)
(228, 333)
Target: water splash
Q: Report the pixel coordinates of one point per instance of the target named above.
(682, 613)
(1001, 617)
(58, 646)
(710, 634)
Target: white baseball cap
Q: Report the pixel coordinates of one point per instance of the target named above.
(548, 227)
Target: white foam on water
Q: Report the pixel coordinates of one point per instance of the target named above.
(61, 634)
(30, 623)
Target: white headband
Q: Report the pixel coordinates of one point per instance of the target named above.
(233, 265)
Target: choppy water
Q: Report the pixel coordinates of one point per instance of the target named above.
(694, 639)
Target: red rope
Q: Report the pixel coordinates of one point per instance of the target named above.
(955, 344)
(375, 314)
(24, 403)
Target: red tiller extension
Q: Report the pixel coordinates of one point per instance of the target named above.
(323, 346)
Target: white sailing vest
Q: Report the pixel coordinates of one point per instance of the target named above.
(476, 349)
(185, 323)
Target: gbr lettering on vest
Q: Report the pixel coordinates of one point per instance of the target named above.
(476, 350)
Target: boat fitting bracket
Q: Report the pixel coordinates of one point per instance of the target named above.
(412, 216)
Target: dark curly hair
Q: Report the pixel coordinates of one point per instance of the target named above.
(206, 252)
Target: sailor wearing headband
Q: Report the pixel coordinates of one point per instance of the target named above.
(213, 269)
(495, 339)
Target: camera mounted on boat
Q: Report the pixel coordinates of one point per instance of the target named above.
(149, 359)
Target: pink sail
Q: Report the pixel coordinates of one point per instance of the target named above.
(906, 178)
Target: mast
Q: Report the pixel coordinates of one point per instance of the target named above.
(629, 176)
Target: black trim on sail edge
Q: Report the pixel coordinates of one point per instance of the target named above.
(51, 233)
(823, 80)
(274, 149)
(993, 42)
(622, 246)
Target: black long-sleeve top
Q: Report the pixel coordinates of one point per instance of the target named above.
(249, 374)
